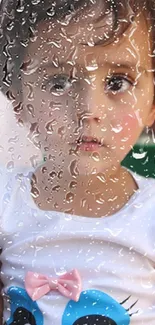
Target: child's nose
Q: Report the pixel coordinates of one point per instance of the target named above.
(92, 101)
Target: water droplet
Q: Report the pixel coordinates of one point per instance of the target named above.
(91, 42)
(30, 95)
(72, 184)
(104, 129)
(49, 200)
(33, 17)
(20, 7)
(11, 149)
(112, 199)
(49, 126)
(83, 203)
(18, 108)
(65, 22)
(10, 95)
(24, 42)
(73, 168)
(139, 205)
(56, 206)
(139, 155)
(96, 156)
(117, 129)
(121, 252)
(87, 80)
(29, 67)
(1, 148)
(51, 157)
(61, 131)
(60, 174)
(56, 43)
(99, 199)
(35, 2)
(56, 188)
(146, 284)
(92, 66)
(101, 177)
(69, 197)
(35, 192)
(55, 106)
(20, 122)
(51, 12)
(1, 33)
(55, 61)
(10, 165)
(30, 109)
(34, 161)
(33, 38)
(68, 215)
(114, 232)
(14, 140)
(33, 135)
(44, 170)
(34, 131)
(10, 26)
(52, 174)
(45, 156)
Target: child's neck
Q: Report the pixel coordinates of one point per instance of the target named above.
(84, 196)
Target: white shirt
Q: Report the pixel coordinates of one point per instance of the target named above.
(115, 257)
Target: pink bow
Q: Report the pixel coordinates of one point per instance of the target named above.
(68, 284)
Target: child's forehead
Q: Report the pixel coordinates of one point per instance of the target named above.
(68, 44)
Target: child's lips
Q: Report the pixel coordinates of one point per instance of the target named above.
(89, 139)
(89, 143)
(89, 146)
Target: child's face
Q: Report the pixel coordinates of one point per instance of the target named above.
(74, 90)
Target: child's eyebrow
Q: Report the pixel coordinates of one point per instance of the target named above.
(129, 66)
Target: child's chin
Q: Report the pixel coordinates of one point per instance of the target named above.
(88, 168)
(104, 168)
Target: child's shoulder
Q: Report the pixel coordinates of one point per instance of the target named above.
(142, 180)
(146, 187)
(6, 175)
(9, 182)
(9, 173)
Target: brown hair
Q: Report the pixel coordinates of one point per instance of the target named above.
(18, 20)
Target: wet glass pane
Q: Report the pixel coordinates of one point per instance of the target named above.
(77, 162)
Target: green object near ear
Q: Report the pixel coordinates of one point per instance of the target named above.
(141, 159)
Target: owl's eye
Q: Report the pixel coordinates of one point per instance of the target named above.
(24, 311)
(95, 320)
(22, 316)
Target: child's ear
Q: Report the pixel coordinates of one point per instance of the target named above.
(151, 117)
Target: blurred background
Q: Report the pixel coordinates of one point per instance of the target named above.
(16, 151)
(141, 158)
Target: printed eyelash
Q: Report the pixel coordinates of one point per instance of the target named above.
(124, 301)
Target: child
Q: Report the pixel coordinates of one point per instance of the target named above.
(77, 230)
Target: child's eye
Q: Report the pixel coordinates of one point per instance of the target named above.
(117, 84)
(59, 84)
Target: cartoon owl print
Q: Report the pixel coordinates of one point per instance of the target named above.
(93, 308)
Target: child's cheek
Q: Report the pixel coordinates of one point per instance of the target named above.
(127, 128)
